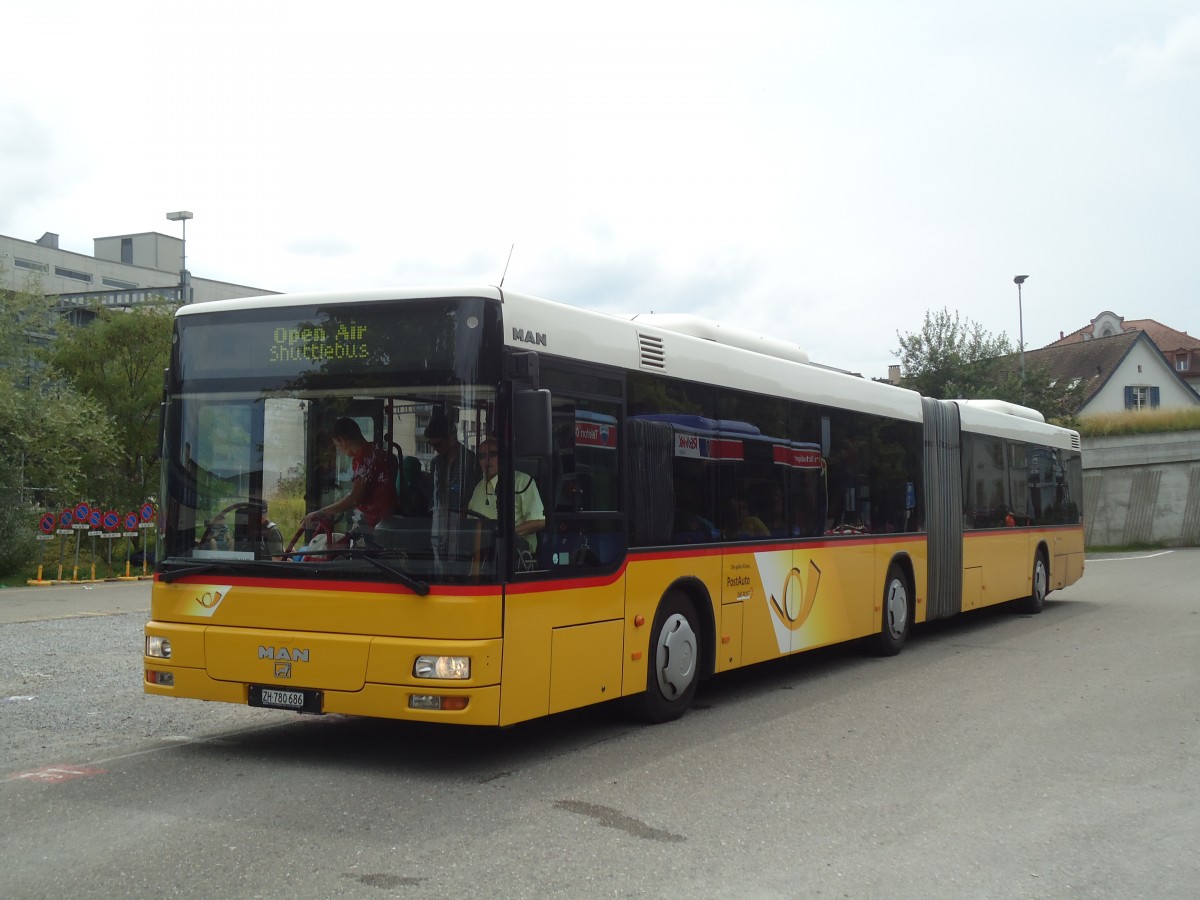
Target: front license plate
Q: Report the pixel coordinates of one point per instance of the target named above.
(276, 698)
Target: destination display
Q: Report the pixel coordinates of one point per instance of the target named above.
(280, 344)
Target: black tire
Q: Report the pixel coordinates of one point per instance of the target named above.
(896, 619)
(673, 664)
(1036, 601)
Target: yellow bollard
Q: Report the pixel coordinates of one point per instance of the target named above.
(38, 580)
(127, 576)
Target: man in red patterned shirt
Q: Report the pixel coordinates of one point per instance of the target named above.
(373, 494)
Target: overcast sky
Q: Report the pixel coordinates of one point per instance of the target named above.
(821, 171)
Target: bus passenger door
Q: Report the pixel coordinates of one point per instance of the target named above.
(564, 619)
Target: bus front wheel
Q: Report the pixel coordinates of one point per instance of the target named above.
(896, 620)
(673, 667)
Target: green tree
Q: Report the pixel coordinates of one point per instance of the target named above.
(956, 358)
(52, 440)
(1057, 402)
(117, 360)
(29, 326)
(951, 357)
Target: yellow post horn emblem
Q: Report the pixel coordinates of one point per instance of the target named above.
(798, 597)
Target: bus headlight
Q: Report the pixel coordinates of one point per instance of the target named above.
(452, 667)
(159, 647)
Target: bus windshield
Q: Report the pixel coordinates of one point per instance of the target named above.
(309, 436)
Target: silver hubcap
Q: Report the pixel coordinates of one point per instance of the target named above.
(675, 656)
(1039, 580)
(895, 612)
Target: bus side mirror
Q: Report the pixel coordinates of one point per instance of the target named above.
(162, 414)
(531, 423)
(523, 365)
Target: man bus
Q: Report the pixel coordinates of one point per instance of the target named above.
(879, 509)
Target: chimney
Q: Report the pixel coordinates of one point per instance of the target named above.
(894, 374)
(49, 239)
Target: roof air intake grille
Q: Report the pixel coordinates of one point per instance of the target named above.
(652, 353)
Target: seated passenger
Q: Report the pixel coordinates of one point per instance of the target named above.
(770, 504)
(739, 523)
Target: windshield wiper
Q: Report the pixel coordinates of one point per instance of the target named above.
(170, 575)
(421, 588)
(222, 566)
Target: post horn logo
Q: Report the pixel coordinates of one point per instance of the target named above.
(798, 596)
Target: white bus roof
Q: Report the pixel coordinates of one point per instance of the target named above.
(680, 351)
(1008, 420)
(687, 347)
(326, 297)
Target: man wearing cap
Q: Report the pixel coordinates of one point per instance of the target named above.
(455, 472)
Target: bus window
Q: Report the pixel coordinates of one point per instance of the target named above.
(895, 477)
(1018, 501)
(753, 485)
(848, 454)
(583, 490)
(984, 476)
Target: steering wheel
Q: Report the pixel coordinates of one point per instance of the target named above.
(212, 523)
(323, 526)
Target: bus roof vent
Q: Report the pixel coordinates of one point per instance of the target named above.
(652, 353)
(1008, 409)
(1075, 442)
(695, 326)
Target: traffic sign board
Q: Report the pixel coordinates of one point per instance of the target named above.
(47, 523)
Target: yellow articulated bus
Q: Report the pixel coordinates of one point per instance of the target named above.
(472, 506)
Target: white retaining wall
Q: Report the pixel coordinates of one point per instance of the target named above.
(1142, 489)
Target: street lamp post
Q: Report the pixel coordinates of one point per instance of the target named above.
(1018, 281)
(182, 216)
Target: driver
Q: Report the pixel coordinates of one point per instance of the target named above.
(373, 494)
(528, 513)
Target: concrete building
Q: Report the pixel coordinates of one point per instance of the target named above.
(124, 271)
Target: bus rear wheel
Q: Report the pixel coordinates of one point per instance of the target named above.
(1036, 601)
(896, 621)
(673, 667)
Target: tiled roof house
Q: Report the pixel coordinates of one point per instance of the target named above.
(1181, 350)
(1122, 365)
